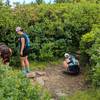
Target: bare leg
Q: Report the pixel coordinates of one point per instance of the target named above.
(22, 62)
(65, 65)
(27, 64)
(22, 59)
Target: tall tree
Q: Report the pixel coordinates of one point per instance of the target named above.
(24, 2)
(94, 1)
(8, 2)
(39, 1)
(58, 1)
(76, 1)
(16, 4)
(63, 1)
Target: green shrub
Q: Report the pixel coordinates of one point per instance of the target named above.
(96, 75)
(90, 44)
(14, 86)
(46, 51)
(85, 95)
(60, 24)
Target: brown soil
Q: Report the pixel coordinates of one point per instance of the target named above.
(60, 84)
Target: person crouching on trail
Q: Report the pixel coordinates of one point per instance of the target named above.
(24, 45)
(5, 53)
(71, 64)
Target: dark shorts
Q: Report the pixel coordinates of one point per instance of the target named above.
(26, 52)
(73, 69)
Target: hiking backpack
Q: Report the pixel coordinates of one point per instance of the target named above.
(4, 53)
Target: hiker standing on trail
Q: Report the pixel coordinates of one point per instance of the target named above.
(71, 64)
(24, 45)
(5, 53)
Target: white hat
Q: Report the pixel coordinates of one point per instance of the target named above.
(66, 55)
(18, 29)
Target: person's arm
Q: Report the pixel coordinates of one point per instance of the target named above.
(78, 64)
(65, 63)
(22, 46)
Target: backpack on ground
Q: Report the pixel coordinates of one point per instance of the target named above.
(4, 52)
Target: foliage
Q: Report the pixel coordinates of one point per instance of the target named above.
(8, 2)
(1, 3)
(66, 1)
(61, 1)
(61, 26)
(14, 86)
(76, 1)
(36, 65)
(39, 1)
(90, 44)
(92, 94)
(85, 95)
(53, 29)
(46, 51)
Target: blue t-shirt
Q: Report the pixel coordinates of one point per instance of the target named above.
(27, 41)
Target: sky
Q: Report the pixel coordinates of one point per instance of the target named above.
(27, 1)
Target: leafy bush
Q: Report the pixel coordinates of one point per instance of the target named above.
(85, 95)
(59, 26)
(90, 44)
(46, 51)
(14, 86)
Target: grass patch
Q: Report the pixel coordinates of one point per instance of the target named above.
(56, 62)
(87, 95)
(38, 65)
(34, 65)
(91, 94)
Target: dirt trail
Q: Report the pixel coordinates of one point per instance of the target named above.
(60, 84)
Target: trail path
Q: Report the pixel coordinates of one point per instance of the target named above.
(59, 84)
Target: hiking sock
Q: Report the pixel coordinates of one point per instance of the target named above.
(24, 71)
(27, 69)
